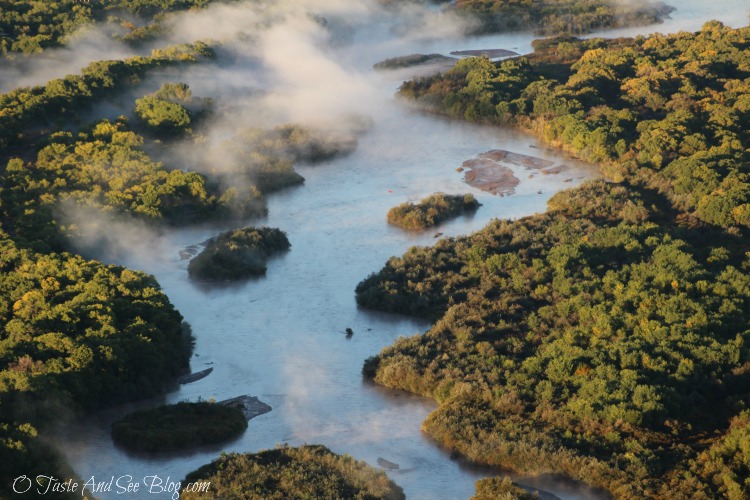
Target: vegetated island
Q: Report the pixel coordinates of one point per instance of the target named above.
(179, 426)
(237, 254)
(266, 157)
(431, 210)
(555, 17)
(605, 340)
(310, 471)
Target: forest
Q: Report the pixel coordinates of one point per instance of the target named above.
(31, 113)
(607, 339)
(76, 334)
(557, 17)
(31, 26)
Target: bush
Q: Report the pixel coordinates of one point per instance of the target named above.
(177, 427)
(310, 471)
(432, 210)
(237, 254)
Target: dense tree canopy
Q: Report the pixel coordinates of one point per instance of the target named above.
(431, 210)
(178, 427)
(588, 341)
(549, 17)
(105, 168)
(75, 334)
(30, 26)
(27, 110)
(238, 254)
(304, 472)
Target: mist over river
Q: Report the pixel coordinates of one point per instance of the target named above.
(281, 337)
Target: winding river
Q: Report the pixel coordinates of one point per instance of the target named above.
(281, 337)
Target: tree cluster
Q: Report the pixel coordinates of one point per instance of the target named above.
(28, 112)
(555, 17)
(310, 471)
(431, 210)
(31, 26)
(178, 427)
(238, 254)
(105, 168)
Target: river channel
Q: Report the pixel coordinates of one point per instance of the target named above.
(281, 337)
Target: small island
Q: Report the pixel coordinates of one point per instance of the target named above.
(412, 60)
(310, 471)
(178, 427)
(432, 210)
(237, 254)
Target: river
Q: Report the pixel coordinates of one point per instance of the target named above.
(281, 337)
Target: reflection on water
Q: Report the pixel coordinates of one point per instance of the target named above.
(281, 337)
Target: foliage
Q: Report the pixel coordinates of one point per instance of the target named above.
(177, 427)
(310, 471)
(431, 210)
(549, 17)
(496, 488)
(25, 110)
(105, 168)
(237, 254)
(588, 341)
(671, 112)
(30, 26)
(171, 110)
(163, 117)
(76, 334)
(265, 158)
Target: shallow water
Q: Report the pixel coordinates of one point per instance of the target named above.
(281, 337)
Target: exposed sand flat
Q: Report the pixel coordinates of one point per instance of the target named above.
(525, 161)
(491, 177)
(491, 53)
(492, 172)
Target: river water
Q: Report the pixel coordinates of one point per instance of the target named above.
(281, 337)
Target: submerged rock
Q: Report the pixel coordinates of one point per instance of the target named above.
(250, 405)
(386, 464)
(193, 377)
